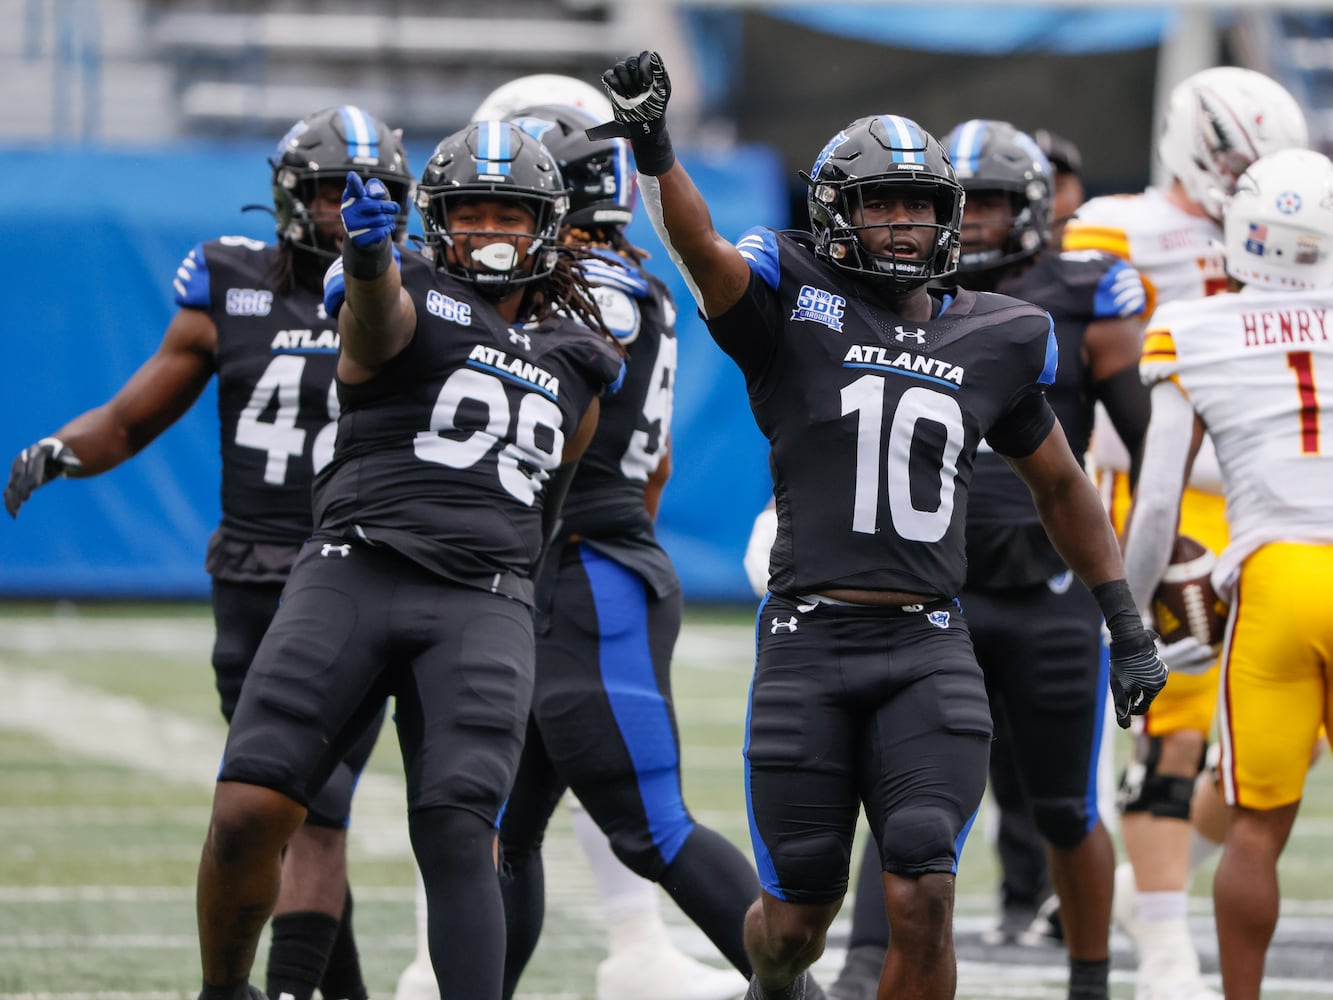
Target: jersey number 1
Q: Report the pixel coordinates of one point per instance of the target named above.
(865, 397)
(1302, 363)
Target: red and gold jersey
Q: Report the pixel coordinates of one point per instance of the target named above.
(1257, 367)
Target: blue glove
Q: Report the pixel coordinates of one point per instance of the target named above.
(369, 216)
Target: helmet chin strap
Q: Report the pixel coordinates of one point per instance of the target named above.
(496, 256)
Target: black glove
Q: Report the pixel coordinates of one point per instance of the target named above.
(1137, 671)
(1137, 674)
(36, 465)
(639, 89)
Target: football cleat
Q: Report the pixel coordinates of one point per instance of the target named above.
(1125, 902)
(859, 977)
(662, 973)
(417, 982)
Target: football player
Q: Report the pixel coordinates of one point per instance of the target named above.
(609, 611)
(874, 392)
(631, 446)
(1216, 124)
(468, 377)
(252, 315)
(1252, 367)
(1037, 630)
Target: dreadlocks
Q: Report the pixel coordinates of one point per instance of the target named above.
(566, 292)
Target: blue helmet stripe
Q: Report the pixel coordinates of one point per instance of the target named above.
(966, 149)
(905, 133)
(493, 146)
(362, 139)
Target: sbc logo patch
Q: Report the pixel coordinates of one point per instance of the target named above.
(819, 306)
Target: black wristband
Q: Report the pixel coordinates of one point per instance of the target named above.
(653, 155)
(1122, 616)
(366, 263)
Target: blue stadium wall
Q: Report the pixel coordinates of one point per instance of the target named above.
(91, 243)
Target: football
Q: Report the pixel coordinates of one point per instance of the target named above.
(1185, 603)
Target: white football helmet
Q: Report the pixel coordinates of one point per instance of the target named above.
(1279, 223)
(543, 88)
(1221, 120)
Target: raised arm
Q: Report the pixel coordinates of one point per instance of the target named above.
(713, 268)
(155, 397)
(378, 317)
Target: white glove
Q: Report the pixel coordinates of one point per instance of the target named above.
(1187, 656)
(762, 536)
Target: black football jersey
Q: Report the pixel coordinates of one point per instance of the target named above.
(277, 406)
(444, 455)
(605, 505)
(874, 421)
(1006, 543)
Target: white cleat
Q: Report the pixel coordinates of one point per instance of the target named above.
(663, 973)
(1175, 989)
(417, 983)
(1125, 903)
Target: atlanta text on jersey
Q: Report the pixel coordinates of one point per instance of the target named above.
(305, 342)
(514, 369)
(870, 356)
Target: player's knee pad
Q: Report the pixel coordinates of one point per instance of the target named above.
(1063, 823)
(807, 867)
(1144, 789)
(919, 839)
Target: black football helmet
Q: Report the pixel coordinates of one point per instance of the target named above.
(873, 152)
(326, 146)
(493, 160)
(994, 156)
(599, 173)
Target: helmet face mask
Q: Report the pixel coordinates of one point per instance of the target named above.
(1218, 122)
(872, 157)
(1279, 223)
(994, 156)
(319, 151)
(487, 164)
(599, 173)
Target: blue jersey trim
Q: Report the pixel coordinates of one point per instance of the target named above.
(890, 370)
(192, 283)
(1047, 376)
(763, 857)
(1103, 687)
(621, 599)
(759, 247)
(1120, 293)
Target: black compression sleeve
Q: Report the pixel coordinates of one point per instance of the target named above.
(1127, 403)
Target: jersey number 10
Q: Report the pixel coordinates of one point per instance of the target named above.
(865, 397)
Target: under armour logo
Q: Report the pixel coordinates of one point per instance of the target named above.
(917, 336)
(329, 549)
(520, 338)
(778, 623)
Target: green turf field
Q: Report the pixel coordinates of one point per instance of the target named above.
(109, 741)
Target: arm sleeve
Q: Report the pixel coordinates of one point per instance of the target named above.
(1127, 403)
(1022, 430)
(1153, 519)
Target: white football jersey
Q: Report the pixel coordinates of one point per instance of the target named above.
(1257, 367)
(1178, 255)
